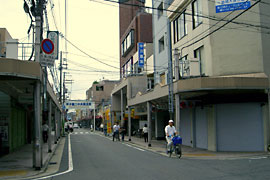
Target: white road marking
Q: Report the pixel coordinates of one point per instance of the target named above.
(76, 132)
(86, 132)
(139, 149)
(70, 163)
(134, 147)
(256, 158)
(81, 132)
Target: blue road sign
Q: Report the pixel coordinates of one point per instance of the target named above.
(231, 5)
(141, 54)
(47, 46)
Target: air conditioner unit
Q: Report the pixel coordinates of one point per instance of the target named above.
(194, 67)
(166, 77)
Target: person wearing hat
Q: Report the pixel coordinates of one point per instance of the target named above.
(170, 131)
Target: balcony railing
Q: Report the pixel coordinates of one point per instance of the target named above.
(16, 50)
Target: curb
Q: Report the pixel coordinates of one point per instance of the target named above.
(198, 156)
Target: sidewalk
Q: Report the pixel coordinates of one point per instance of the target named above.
(158, 146)
(20, 162)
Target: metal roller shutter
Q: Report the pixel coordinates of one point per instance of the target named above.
(239, 127)
(185, 126)
(201, 128)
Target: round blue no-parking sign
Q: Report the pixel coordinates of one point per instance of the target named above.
(47, 46)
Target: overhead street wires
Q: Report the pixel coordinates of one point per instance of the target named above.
(212, 32)
(190, 14)
(114, 61)
(76, 47)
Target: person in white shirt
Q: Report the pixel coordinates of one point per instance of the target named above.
(145, 133)
(116, 128)
(170, 131)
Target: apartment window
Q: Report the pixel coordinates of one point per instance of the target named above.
(99, 88)
(160, 10)
(161, 44)
(137, 69)
(150, 83)
(129, 66)
(162, 78)
(180, 27)
(197, 13)
(198, 54)
(123, 71)
(127, 43)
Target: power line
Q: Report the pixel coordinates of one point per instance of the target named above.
(190, 14)
(87, 53)
(53, 15)
(212, 32)
(100, 59)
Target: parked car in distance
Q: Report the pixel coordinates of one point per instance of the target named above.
(76, 126)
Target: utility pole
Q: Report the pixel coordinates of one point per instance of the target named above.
(37, 160)
(60, 93)
(170, 71)
(64, 94)
(61, 83)
(37, 153)
(177, 96)
(37, 11)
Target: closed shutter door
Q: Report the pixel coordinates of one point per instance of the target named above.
(185, 126)
(239, 127)
(201, 128)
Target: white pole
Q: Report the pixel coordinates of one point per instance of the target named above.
(94, 117)
(129, 123)
(149, 119)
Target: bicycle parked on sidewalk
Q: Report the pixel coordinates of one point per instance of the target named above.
(176, 147)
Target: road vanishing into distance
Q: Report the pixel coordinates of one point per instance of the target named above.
(95, 157)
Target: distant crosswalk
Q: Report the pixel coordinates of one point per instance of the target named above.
(80, 133)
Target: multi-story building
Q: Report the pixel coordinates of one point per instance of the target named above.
(160, 45)
(139, 30)
(100, 94)
(100, 91)
(135, 29)
(221, 87)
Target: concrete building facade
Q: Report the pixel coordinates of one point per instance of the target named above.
(100, 94)
(221, 83)
(135, 26)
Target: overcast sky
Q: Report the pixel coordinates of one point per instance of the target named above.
(92, 25)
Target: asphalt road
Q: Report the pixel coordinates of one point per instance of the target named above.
(98, 158)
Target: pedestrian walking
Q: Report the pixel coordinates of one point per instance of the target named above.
(45, 129)
(145, 133)
(116, 129)
(123, 132)
(101, 127)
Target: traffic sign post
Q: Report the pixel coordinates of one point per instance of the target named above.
(48, 58)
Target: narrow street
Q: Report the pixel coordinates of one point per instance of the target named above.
(92, 159)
